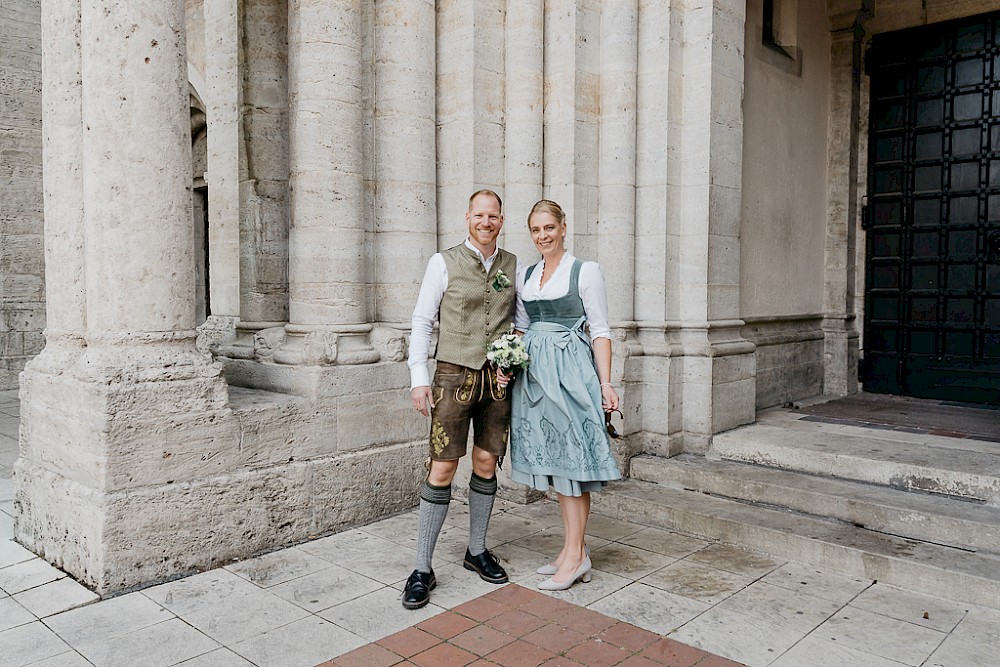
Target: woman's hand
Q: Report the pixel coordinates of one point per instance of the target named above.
(503, 378)
(609, 398)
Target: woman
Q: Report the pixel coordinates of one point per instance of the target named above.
(558, 437)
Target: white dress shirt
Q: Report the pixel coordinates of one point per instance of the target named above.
(592, 291)
(425, 313)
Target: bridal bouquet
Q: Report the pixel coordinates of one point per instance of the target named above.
(508, 352)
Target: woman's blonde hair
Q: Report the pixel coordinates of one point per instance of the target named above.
(550, 207)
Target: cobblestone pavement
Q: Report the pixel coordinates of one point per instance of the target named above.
(656, 598)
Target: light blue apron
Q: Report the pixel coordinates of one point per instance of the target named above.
(557, 433)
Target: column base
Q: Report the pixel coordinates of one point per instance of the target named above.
(840, 356)
(325, 345)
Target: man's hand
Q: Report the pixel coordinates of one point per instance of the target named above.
(503, 378)
(423, 400)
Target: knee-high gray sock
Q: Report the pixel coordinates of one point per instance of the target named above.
(433, 509)
(481, 494)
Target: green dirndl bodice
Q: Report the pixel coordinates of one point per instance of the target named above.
(557, 434)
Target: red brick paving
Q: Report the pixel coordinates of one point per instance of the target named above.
(517, 627)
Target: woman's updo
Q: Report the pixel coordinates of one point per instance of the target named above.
(550, 207)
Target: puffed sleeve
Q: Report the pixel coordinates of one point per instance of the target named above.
(595, 300)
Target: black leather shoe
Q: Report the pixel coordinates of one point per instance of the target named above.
(488, 567)
(417, 591)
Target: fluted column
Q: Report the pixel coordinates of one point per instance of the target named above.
(572, 117)
(62, 182)
(523, 129)
(405, 167)
(470, 104)
(617, 166)
(327, 241)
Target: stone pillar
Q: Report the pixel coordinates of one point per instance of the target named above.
(617, 166)
(523, 122)
(572, 117)
(719, 389)
(658, 412)
(222, 77)
(405, 167)
(840, 353)
(103, 442)
(62, 182)
(263, 198)
(328, 244)
(470, 104)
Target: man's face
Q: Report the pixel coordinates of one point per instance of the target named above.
(485, 222)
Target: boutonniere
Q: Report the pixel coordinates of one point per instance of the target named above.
(500, 281)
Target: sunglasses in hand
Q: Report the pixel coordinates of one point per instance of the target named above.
(611, 427)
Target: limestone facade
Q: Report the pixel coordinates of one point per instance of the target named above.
(209, 391)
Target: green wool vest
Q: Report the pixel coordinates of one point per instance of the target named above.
(473, 314)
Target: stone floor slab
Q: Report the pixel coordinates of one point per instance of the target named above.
(12, 614)
(780, 607)
(734, 636)
(347, 547)
(377, 615)
(6, 526)
(664, 542)
(815, 651)
(601, 585)
(698, 582)
(956, 651)
(625, 561)
(550, 541)
(200, 592)
(240, 617)
(882, 636)
(915, 608)
(109, 619)
(12, 553)
(222, 657)
(29, 574)
(67, 659)
(304, 643)
(649, 608)
(28, 644)
(731, 559)
(980, 625)
(167, 643)
(326, 588)
(387, 566)
(809, 580)
(278, 567)
(55, 597)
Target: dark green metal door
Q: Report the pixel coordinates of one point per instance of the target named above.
(932, 288)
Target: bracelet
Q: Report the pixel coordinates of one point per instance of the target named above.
(606, 384)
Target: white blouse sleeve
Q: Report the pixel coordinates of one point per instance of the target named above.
(595, 300)
(521, 319)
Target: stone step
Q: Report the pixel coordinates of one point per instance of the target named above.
(942, 520)
(831, 545)
(962, 468)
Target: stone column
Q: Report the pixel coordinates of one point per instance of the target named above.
(840, 353)
(719, 389)
(62, 182)
(104, 441)
(405, 167)
(470, 104)
(617, 166)
(263, 269)
(572, 117)
(327, 240)
(523, 127)
(222, 77)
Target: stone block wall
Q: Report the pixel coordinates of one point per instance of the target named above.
(22, 275)
(789, 356)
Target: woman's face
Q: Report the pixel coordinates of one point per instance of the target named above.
(547, 233)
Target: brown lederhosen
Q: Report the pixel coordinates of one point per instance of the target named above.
(461, 394)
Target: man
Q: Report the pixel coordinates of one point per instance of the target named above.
(471, 289)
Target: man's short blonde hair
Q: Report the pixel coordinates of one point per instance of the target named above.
(489, 193)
